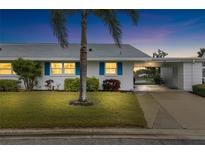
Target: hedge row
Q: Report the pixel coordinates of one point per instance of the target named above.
(199, 89)
(74, 84)
(92, 84)
(9, 85)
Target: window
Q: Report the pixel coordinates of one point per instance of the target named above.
(63, 68)
(6, 69)
(110, 68)
(56, 68)
(69, 68)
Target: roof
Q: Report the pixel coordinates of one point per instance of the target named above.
(52, 51)
(179, 59)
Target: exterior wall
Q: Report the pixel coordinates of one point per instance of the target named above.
(173, 75)
(166, 74)
(93, 71)
(182, 75)
(126, 78)
(192, 75)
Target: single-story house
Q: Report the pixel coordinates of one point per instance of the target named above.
(105, 61)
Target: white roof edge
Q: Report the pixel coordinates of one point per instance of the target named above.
(187, 59)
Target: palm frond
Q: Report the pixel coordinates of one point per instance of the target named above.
(133, 14)
(110, 19)
(58, 22)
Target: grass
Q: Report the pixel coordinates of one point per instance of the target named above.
(52, 109)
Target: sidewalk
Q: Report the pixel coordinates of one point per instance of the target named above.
(108, 132)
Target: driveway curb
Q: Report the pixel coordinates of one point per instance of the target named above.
(108, 132)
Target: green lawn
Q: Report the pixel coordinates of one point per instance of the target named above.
(52, 109)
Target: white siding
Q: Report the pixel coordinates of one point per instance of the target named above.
(172, 73)
(126, 79)
(93, 71)
(192, 75)
(166, 74)
(182, 75)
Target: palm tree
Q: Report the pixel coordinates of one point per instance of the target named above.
(201, 52)
(109, 17)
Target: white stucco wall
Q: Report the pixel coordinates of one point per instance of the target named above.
(172, 73)
(192, 75)
(182, 75)
(93, 70)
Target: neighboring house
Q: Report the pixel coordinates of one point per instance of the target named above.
(105, 61)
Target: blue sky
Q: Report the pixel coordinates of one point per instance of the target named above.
(178, 32)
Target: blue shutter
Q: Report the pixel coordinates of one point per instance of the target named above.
(102, 68)
(119, 68)
(47, 69)
(77, 68)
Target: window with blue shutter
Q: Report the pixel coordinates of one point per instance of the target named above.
(102, 68)
(119, 68)
(77, 68)
(47, 69)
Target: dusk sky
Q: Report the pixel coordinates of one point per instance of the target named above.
(178, 32)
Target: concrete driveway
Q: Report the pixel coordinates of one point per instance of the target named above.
(173, 109)
(146, 88)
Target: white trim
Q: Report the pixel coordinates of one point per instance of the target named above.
(169, 59)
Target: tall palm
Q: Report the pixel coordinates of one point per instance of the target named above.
(110, 19)
(201, 52)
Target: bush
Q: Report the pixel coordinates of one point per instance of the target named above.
(49, 84)
(28, 71)
(92, 84)
(74, 84)
(9, 85)
(199, 89)
(111, 85)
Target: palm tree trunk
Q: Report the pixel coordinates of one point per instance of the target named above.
(83, 57)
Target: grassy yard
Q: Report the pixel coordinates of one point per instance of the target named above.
(51, 109)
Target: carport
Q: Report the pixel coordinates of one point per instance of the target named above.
(177, 73)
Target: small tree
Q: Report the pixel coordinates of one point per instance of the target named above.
(28, 71)
(201, 52)
(159, 54)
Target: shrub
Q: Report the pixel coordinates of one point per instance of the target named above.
(28, 71)
(111, 85)
(49, 84)
(92, 84)
(199, 89)
(74, 84)
(9, 85)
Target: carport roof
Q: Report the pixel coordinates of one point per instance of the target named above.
(180, 59)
